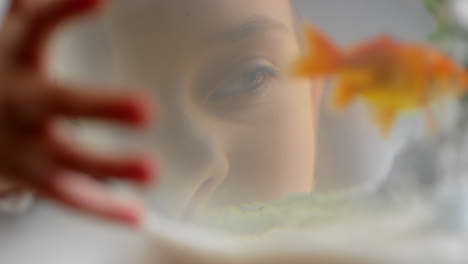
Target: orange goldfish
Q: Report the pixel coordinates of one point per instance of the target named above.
(392, 77)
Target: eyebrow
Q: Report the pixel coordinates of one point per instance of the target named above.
(254, 26)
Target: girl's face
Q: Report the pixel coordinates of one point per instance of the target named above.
(234, 127)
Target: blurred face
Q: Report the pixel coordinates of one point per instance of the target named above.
(235, 128)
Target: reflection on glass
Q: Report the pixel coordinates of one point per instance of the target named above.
(235, 128)
(237, 136)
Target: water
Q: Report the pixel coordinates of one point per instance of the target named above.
(417, 214)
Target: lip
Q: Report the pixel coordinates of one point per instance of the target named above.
(199, 199)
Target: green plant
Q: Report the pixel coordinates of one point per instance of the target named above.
(449, 36)
(447, 27)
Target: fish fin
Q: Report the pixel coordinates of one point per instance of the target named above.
(385, 119)
(344, 96)
(385, 40)
(464, 88)
(323, 57)
(383, 43)
(432, 122)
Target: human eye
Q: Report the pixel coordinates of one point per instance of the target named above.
(242, 91)
(249, 80)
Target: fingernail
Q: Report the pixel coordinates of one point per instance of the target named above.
(141, 111)
(132, 217)
(144, 171)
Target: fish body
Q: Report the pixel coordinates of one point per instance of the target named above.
(392, 77)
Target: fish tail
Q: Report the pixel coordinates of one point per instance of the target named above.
(323, 57)
(385, 119)
(465, 82)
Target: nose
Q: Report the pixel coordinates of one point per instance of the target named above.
(193, 159)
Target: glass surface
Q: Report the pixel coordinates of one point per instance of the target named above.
(258, 167)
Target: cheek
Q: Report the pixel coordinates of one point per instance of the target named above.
(274, 158)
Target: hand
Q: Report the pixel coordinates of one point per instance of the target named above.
(33, 154)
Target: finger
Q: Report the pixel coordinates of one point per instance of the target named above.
(16, 6)
(42, 100)
(8, 188)
(142, 170)
(82, 193)
(38, 155)
(44, 23)
(26, 7)
(133, 109)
